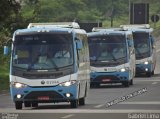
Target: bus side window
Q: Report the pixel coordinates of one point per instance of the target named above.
(80, 52)
(152, 42)
(131, 46)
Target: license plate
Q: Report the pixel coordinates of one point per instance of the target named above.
(106, 80)
(43, 98)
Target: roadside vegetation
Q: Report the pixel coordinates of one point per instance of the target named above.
(17, 14)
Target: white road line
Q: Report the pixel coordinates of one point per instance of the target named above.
(143, 103)
(147, 80)
(80, 111)
(3, 94)
(67, 116)
(98, 106)
(154, 83)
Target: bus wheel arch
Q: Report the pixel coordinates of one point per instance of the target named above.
(82, 100)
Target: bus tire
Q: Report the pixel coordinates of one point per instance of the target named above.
(34, 104)
(149, 74)
(92, 85)
(74, 103)
(18, 105)
(153, 72)
(126, 83)
(131, 82)
(82, 101)
(27, 104)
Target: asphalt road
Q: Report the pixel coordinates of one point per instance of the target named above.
(144, 103)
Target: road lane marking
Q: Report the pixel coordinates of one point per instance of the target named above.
(80, 111)
(98, 106)
(147, 80)
(143, 103)
(67, 116)
(154, 83)
(3, 94)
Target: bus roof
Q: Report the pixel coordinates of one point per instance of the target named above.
(39, 30)
(35, 30)
(104, 29)
(55, 24)
(109, 32)
(137, 28)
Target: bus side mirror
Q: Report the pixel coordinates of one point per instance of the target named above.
(79, 44)
(6, 50)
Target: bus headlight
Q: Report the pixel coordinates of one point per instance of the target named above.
(124, 69)
(68, 83)
(19, 85)
(146, 62)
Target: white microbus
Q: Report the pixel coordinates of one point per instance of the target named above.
(112, 57)
(49, 63)
(145, 49)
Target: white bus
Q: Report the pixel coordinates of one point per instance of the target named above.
(112, 57)
(49, 63)
(145, 48)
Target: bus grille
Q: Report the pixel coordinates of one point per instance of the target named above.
(51, 94)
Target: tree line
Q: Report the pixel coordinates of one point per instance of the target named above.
(17, 14)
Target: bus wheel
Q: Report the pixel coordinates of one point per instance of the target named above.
(34, 104)
(27, 104)
(82, 101)
(92, 85)
(131, 82)
(149, 74)
(153, 72)
(74, 103)
(18, 105)
(126, 84)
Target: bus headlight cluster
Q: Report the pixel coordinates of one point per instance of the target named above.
(124, 69)
(19, 85)
(68, 83)
(146, 62)
(19, 96)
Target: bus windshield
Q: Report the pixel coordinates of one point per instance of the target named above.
(42, 51)
(141, 43)
(108, 50)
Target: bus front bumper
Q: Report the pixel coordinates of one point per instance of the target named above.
(143, 68)
(45, 94)
(109, 77)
